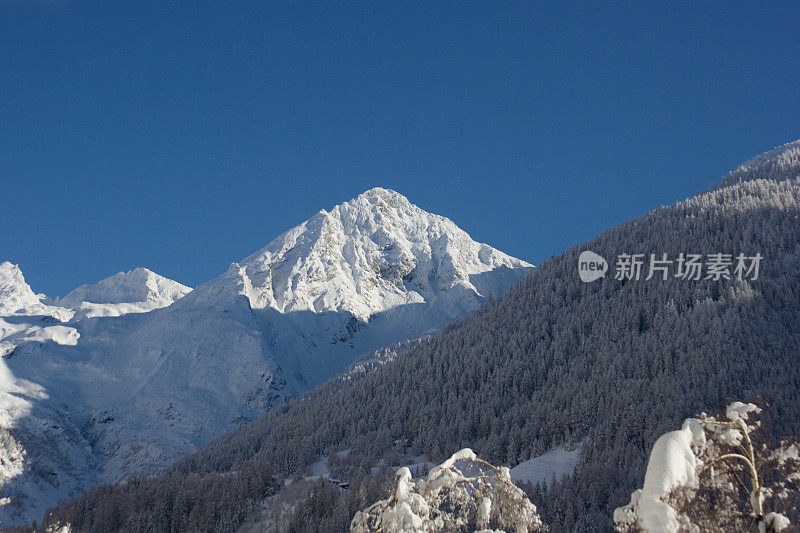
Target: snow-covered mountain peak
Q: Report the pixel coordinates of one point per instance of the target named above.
(15, 294)
(136, 291)
(367, 255)
(17, 297)
(387, 196)
(146, 389)
(24, 316)
(137, 285)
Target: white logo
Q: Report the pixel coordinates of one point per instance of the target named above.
(591, 266)
(684, 266)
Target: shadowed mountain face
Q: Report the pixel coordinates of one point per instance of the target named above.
(610, 364)
(137, 387)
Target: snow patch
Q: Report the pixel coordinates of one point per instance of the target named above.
(557, 463)
(773, 522)
(739, 411)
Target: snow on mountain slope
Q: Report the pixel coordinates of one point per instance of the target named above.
(137, 291)
(557, 463)
(14, 333)
(44, 457)
(368, 255)
(779, 162)
(25, 317)
(146, 388)
(17, 298)
(28, 317)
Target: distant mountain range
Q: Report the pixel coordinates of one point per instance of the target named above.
(125, 376)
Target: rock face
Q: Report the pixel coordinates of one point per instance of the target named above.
(148, 369)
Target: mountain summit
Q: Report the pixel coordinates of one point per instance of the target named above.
(17, 297)
(136, 291)
(152, 369)
(368, 255)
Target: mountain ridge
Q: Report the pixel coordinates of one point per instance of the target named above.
(781, 162)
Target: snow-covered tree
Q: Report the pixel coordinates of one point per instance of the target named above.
(709, 476)
(462, 494)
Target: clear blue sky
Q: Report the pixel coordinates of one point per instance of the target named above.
(182, 136)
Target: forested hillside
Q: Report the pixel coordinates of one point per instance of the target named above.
(612, 363)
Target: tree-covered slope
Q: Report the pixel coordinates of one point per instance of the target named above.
(612, 363)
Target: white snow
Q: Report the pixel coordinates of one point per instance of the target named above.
(672, 463)
(44, 457)
(675, 462)
(773, 522)
(739, 411)
(12, 334)
(410, 511)
(136, 291)
(443, 501)
(784, 454)
(26, 317)
(17, 298)
(558, 462)
(368, 255)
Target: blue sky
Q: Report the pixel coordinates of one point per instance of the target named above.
(182, 136)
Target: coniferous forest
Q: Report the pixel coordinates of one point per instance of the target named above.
(555, 362)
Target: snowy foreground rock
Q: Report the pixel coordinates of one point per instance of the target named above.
(705, 456)
(125, 376)
(461, 494)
